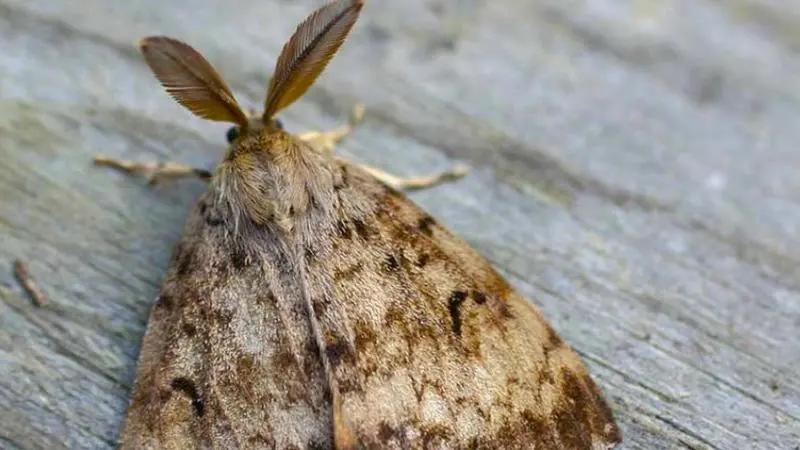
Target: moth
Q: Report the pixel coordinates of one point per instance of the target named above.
(311, 305)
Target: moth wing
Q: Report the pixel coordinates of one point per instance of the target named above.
(430, 346)
(227, 359)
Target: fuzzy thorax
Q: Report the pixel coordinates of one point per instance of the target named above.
(271, 177)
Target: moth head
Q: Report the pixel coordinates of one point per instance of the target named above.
(194, 83)
(234, 131)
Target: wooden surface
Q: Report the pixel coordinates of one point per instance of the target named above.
(636, 173)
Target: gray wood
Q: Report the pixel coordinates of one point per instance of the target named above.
(635, 172)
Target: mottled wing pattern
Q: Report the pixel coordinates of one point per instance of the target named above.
(432, 347)
(223, 364)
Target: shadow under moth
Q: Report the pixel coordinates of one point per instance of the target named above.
(311, 305)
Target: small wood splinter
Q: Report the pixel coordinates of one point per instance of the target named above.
(26, 281)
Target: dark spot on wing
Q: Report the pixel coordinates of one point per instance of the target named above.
(338, 350)
(211, 217)
(315, 204)
(554, 341)
(348, 384)
(281, 258)
(365, 335)
(238, 257)
(425, 224)
(528, 429)
(391, 264)
(245, 365)
(344, 180)
(347, 273)
(164, 396)
(314, 445)
(423, 260)
(583, 411)
(392, 437)
(222, 317)
(187, 387)
(434, 436)
(454, 305)
(284, 360)
(572, 420)
(165, 301)
(266, 298)
(183, 258)
(261, 440)
(219, 272)
(213, 220)
(311, 347)
(309, 252)
(497, 285)
(385, 432)
(320, 306)
(343, 230)
(479, 297)
(189, 329)
(505, 310)
(361, 228)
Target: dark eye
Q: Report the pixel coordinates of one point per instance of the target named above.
(278, 123)
(232, 134)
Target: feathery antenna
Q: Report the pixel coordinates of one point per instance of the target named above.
(309, 50)
(191, 80)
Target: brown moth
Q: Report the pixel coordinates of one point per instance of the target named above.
(311, 304)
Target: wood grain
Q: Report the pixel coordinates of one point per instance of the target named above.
(635, 172)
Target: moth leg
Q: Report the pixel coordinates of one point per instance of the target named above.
(413, 183)
(327, 140)
(152, 170)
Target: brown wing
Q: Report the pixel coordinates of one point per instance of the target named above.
(227, 360)
(431, 347)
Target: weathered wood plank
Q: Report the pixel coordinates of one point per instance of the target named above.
(635, 174)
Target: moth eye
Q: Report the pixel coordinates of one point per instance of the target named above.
(278, 123)
(232, 134)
